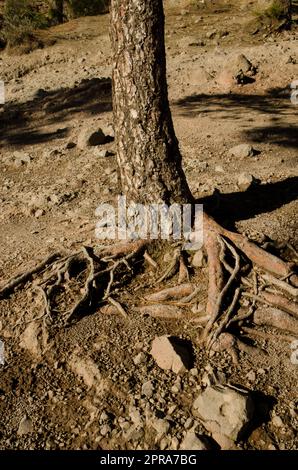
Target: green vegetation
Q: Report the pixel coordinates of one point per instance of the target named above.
(88, 7)
(20, 19)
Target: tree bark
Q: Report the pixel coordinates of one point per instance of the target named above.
(149, 159)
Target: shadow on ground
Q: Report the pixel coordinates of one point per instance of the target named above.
(275, 103)
(41, 119)
(233, 207)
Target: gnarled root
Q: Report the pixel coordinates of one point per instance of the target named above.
(220, 242)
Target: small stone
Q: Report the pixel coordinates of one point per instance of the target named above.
(163, 444)
(242, 64)
(135, 416)
(201, 166)
(188, 423)
(242, 151)
(219, 169)
(172, 409)
(147, 389)
(103, 417)
(174, 444)
(105, 430)
(251, 376)
(194, 372)
(193, 442)
(171, 353)
(139, 358)
(101, 153)
(70, 145)
(277, 421)
(21, 158)
(39, 213)
(199, 259)
(161, 426)
(175, 389)
(245, 181)
(25, 426)
(88, 138)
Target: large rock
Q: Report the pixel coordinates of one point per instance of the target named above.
(225, 411)
(171, 353)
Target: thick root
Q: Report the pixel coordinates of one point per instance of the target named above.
(217, 242)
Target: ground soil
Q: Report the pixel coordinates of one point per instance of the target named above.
(48, 203)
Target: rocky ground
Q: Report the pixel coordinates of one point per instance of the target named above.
(139, 380)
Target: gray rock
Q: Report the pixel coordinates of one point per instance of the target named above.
(188, 423)
(135, 416)
(20, 157)
(147, 389)
(225, 411)
(174, 444)
(101, 153)
(105, 430)
(25, 426)
(242, 151)
(39, 213)
(251, 376)
(171, 353)
(194, 372)
(193, 442)
(139, 358)
(161, 426)
(219, 169)
(242, 64)
(88, 138)
(103, 417)
(199, 259)
(277, 421)
(245, 181)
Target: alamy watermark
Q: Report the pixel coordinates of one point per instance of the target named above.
(294, 93)
(151, 222)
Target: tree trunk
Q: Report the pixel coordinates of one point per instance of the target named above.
(57, 7)
(148, 154)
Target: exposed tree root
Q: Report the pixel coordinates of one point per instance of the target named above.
(227, 288)
(21, 279)
(218, 243)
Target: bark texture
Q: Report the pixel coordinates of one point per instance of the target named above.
(148, 154)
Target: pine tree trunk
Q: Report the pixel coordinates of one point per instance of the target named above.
(148, 154)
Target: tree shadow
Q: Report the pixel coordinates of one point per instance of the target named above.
(232, 207)
(41, 119)
(275, 103)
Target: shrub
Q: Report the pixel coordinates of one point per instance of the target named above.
(88, 7)
(20, 19)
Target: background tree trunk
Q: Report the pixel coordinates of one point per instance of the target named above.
(148, 155)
